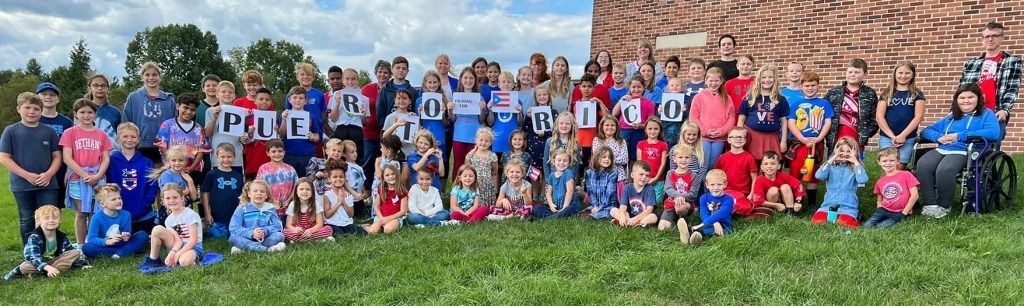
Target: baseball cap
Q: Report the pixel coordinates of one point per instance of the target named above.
(47, 85)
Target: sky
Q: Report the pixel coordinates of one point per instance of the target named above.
(346, 33)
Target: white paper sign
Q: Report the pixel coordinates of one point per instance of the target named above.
(297, 125)
(586, 114)
(406, 132)
(466, 103)
(541, 118)
(631, 111)
(504, 101)
(231, 121)
(431, 106)
(672, 107)
(352, 101)
(264, 122)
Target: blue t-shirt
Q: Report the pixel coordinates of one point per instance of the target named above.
(617, 94)
(304, 146)
(60, 123)
(654, 95)
(485, 91)
(762, 117)
(432, 164)
(810, 115)
(103, 226)
(436, 127)
(171, 177)
(465, 126)
(691, 90)
(33, 152)
(504, 125)
(636, 202)
(794, 96)
(900, 111)
(224, 188)
(108, 118)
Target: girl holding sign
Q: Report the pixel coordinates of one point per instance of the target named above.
(537, 139)
(464, 137)
(632, 115)
(432, 83)
(504, 123)
(714, 113)
(764, 112)
(402, 122)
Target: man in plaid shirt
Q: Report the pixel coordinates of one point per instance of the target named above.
(996, 72)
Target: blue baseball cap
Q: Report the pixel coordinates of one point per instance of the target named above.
(47, 85)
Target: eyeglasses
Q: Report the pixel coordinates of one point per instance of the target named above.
(99, 86)
(737, 137)
(993, 36)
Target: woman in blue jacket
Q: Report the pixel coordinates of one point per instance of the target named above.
(937, 169)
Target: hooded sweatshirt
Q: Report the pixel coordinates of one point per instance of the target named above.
(137, 192)
(249, 217)
(984, 125)
(149, 113)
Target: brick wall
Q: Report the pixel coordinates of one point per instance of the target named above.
(937, 35)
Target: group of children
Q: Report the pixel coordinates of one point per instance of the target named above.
(725, 160)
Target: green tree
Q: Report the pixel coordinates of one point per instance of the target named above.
(364, 78)
(71, 79)
(18, 83)
(276, 62)
(34, 68)
(184, 53)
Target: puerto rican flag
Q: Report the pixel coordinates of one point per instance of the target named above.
(502, 99)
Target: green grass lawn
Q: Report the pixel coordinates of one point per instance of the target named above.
(785, 260)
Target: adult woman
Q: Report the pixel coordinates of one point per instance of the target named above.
(644, 53)
(936, 169)
(604, 60)
(539, 65)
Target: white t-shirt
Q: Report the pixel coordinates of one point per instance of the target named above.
(181, 222)
(341, 217)
(426, 203)
(219, 138)
(344, 118)
(317, 205)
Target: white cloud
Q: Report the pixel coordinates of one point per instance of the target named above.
(355, 34)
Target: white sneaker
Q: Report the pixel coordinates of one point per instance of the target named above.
(420, 226)
(115, 256)
(235, 250)
(329, 238)
(684, 231)
(280, 246)
(930, 211)
(941, 212)
(696, 238)
(494, 217)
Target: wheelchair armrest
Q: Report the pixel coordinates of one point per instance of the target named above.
(976, 140)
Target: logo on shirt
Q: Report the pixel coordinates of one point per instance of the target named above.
(636, 205)
(714, 206)
(129, 178)
(810, 118)
(764, 112)
(221, 183)
(152, 110)
(891, 190)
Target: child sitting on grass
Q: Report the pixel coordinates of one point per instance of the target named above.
(391, 203)
(896, 190)
(110, 232)
(306, 215)
(254, 225)
(514, 196)
(774, 189)
(425, 206)
(48, 251)
(636, 204)
(715, 211)
(181, 233)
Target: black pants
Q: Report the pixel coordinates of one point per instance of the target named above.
(350, 132)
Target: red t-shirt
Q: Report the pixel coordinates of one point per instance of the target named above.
(738, 168)
(988, 79)
(391, 203)
(256, 152)
(895, 190)
(736, 89)
(652, 153)
(763, 183)
(586, 135)
(371, 131)
(680, 183)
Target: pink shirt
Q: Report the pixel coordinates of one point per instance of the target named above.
(646, 110)
(895, 190)
(709, 113)
(87, 147)
(652, 154)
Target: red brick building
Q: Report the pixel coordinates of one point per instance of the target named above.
(824, 35)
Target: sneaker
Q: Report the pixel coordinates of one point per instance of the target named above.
(696, 238)
(684, 231)
(13, 274)
(280, 246)
(329, 238)
(115, 256)
(931, 211)
(941, 212)
(152, 263)
(235, 250)
(420, 226)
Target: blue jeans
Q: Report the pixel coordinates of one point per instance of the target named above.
(122, 249)
(543, 211)
(371, 150)
(248, 244)
(28, 202)
(906, 150)
(632, 137)
(435, 220)
(883, 218)
(712, 149)
(298, 162)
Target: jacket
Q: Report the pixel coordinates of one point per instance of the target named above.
(984, 125)
(866, 126)
(248, 217)
(1007, 78)
(36, 246)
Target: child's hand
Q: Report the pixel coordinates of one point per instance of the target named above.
(284, 114)
(257, 234)
(51, 271)
(216, 111)
(314, 137)
(307, 233)
(125, 236)
(172, 258)
(112, 241)
(400, 122)
(430, 152)
(679, 201)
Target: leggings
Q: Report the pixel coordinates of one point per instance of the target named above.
(460, 150)
(937, 174)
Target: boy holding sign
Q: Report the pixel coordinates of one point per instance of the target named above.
(588, 109)
(301, 132)
(227, 128)
(403, 122)
(257, 99)
(633, 113)
(346, 109)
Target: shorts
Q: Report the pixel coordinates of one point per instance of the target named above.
(199, 252)
(75, 192)
(401, 221)
(351, 229)
(906, 150)
(669, 214)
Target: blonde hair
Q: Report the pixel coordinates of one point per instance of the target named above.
(244, 198)
(486, 132)
(911, 86)
(849, 142)
(738, 129)
(440, 84)
(148, 66)
(890, 151)
(102, 190)
(755, 89)
(561, 88)
(227, 148)
(171, 188)
(444, 56)
(646, 43)
(515, 163)
(127, 126)
(571, 146)
(304, 67)
(425, 134)
(348, 144)
(716, 175)
(29, 98)
(46, 210)
(520, 86)
(698, 150)
(172, 153)
(333, 142)
(508, 76)
(682, 148)
(227, 84)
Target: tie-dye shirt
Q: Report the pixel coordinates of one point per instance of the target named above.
(174, 133)
(281, 178)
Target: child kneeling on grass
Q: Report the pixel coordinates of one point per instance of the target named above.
(896, 190)
(843, 173)
(715, 211)
(110, 232)
(636, 204)
(48, 251)
(180, 235)
(255, 225)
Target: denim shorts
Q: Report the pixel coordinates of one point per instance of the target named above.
(906, 150)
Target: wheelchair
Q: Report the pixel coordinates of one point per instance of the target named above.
(989, 181)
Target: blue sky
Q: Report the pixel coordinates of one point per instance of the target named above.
(347, 33)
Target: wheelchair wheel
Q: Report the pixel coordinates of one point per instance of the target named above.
(998, 182)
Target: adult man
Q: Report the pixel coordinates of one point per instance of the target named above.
(726, 46)
(996, 72)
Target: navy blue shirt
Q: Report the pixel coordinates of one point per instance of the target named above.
(762, 117)
(691, 90)
(900, 111)
(224, 187)
(59, 124)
